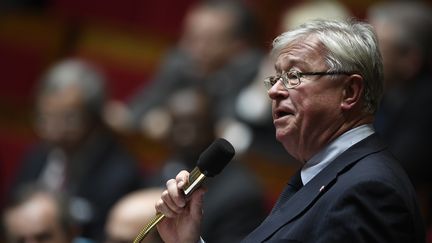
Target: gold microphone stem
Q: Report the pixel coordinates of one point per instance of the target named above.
(196, 177)
(146, 230)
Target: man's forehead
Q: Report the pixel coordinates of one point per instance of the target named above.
(283, 62)
(300, 53)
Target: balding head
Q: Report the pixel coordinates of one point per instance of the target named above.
(130, 214)
(37, 216)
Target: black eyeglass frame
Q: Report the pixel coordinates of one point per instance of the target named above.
(288, 82)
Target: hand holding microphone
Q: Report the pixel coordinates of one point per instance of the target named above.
(182, 209)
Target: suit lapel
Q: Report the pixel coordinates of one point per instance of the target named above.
(312, 191)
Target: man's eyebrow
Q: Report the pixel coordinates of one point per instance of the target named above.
(292, 62)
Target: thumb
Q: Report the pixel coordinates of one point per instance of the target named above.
(196, 203)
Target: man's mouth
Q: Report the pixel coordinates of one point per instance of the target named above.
(280, 114)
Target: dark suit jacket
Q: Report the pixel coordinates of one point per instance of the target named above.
(103, 173)
(362, 196)
(234, 205)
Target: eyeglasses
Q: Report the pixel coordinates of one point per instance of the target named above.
(291, 79)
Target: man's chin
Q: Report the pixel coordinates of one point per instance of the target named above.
(281, 136)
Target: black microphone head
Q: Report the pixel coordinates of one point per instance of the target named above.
(212, 161)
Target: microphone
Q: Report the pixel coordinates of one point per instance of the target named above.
(210, 163)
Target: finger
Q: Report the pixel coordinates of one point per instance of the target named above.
(176, 195)
(196, 203)
(182, 179)
(170, 203)
(162, 207)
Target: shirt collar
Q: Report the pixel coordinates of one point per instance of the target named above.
(323, 158)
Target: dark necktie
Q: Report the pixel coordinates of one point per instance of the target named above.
(268, 224)
(292, 187)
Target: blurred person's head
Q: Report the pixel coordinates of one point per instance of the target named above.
(192, 126)
(37, 215)
(404, 32)
(307, 11)
(130, 214)
(214, 32)
(69, 103)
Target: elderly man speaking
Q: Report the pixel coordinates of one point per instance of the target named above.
(350, 188)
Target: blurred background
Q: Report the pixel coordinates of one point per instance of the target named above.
(127, 40)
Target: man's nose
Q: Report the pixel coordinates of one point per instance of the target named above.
(278, 91)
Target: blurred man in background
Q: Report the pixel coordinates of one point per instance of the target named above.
(404, 118)
(36, 215)
(77, 153)
(216, 52)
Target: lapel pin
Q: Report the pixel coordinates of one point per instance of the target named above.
(322, 188)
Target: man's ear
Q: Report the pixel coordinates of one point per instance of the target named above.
(352, 91)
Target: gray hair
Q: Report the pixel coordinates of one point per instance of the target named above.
(351, 47)
(74, 72)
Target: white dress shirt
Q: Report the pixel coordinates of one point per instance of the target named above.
(323, 158)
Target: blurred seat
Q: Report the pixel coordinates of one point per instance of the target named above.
(128, 56)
